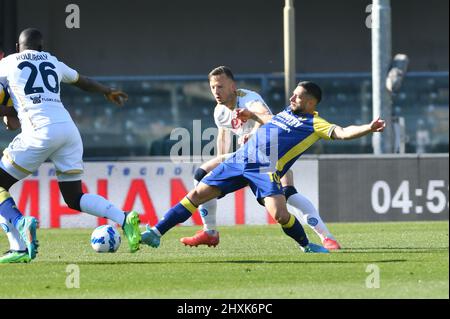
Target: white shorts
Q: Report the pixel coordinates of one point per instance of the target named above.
(59, 142)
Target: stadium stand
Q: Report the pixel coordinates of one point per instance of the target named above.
(158, 105)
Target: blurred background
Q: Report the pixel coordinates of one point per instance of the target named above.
(160, 53)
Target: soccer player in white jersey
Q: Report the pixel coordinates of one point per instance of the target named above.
(33, 77)
(263, 160)
(229, 99)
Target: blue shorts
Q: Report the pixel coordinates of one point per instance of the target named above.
(229, 177)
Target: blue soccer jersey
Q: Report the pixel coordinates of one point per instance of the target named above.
(270, 153)
(280, 142)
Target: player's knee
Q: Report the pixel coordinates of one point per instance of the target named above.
(73, 200)
(289, 191)
(289, 175)
(288, 178)
(195, 197)
(199, 174)
(261, 201)
(282, 217)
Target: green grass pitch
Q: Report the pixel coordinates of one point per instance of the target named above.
(250, 262)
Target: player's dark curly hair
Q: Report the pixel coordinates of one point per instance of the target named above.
(221, 70)
(312, 89)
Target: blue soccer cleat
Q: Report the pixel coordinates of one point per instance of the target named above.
(27, 230)
(313, 248)
(150, 238)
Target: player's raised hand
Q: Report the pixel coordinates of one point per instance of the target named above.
(377, 125)
(117, 97)
(243, 114)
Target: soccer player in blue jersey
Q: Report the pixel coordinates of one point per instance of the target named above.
(263, 160)
(230, 99)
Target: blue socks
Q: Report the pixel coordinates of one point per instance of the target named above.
(177, 214)
(9, 210)
(295, 230)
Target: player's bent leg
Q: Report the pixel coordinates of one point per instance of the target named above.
(209, 235)
(98, 206)
(276, 206)
(179, 213)
(15, 241)
(213, 163)
(25, 225)
(208, 209)
(305, 210)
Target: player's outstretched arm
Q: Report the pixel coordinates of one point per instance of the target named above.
(355, 131)
(244, 115)
(112, 95)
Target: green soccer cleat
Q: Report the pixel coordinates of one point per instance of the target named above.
(131, 229)
(27, 230)
(313, 248)
(150, 238)
(15, 257)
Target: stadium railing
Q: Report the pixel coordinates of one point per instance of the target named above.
(158, 104)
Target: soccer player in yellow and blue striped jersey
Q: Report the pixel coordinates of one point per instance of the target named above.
(262, 162)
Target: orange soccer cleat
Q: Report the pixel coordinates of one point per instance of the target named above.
(331, 244)
(201, 237)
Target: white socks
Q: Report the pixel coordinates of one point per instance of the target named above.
(89, 203)
(307, 213)
(15, 242)
(98, 206)
(208, 214)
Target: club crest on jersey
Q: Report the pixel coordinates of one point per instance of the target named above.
(236, 123)
(291, 120)
(36, 99)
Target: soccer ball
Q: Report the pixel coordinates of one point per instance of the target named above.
(5, 99)
(105, 239)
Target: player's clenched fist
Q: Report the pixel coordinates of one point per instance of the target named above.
(377, 125)
(243, 114)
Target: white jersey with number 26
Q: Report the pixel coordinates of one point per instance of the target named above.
(34, 80)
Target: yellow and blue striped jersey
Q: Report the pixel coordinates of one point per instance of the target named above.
(280, 142)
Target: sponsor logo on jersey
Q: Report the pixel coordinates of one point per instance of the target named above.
(236, 123)
(36, 99)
